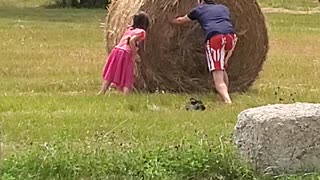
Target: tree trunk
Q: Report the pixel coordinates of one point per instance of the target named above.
(94, 3)
(68, 3)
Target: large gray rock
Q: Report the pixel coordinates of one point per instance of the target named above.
(280, 138)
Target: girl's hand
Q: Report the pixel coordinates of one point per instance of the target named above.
(133, 46)
(136, 58)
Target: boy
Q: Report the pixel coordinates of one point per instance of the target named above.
(220, 37)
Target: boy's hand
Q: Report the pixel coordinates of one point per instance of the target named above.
(180, 20)
(226, 65)
(171, 18)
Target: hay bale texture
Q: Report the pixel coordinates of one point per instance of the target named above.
(174, 58)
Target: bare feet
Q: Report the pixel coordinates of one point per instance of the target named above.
(105, 86)
(223, 101)
(101, 93)
(221, 86)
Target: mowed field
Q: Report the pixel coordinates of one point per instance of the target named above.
(53, 126)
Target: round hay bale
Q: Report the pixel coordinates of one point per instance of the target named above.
(174, 59)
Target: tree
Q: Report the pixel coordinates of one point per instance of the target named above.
(85, 3)
(68, 3)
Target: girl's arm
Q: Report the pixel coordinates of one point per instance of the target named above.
(132, 43)
(141, 48)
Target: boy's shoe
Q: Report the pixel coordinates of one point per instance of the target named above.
(195, 105)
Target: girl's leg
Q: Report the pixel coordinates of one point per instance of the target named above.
(126, 90)
(220, 85)
(105, 86)
(112, 86)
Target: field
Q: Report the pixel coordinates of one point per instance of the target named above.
(53, 126)
(291, 4)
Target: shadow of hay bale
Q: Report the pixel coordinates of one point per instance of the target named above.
(174, 59)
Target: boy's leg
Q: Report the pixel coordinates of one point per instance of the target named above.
(215, 52)
(221, 86)
(226, 78)
(231, 42)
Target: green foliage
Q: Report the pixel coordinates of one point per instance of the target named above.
(183, 161)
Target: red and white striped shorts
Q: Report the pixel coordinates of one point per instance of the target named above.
(216, 49)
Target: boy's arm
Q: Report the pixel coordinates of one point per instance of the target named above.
(229, 53)
(191, 16)
(181, 20)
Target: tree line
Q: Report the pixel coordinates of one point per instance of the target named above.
(83, 3)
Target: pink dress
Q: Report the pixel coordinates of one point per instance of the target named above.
(119, 68)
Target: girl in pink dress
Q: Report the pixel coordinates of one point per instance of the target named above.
(119, 68)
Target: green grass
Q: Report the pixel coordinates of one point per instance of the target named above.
(25, 3)
(54, 127)
(290, 4)
(44, 50)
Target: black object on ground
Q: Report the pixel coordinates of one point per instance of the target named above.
(195, 105)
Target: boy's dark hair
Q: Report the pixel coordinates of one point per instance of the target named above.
(209, 1)
(141, 20)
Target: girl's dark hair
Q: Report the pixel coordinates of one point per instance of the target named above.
(209, 1)
(141, 20)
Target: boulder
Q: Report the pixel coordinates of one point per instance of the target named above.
(280, 138)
